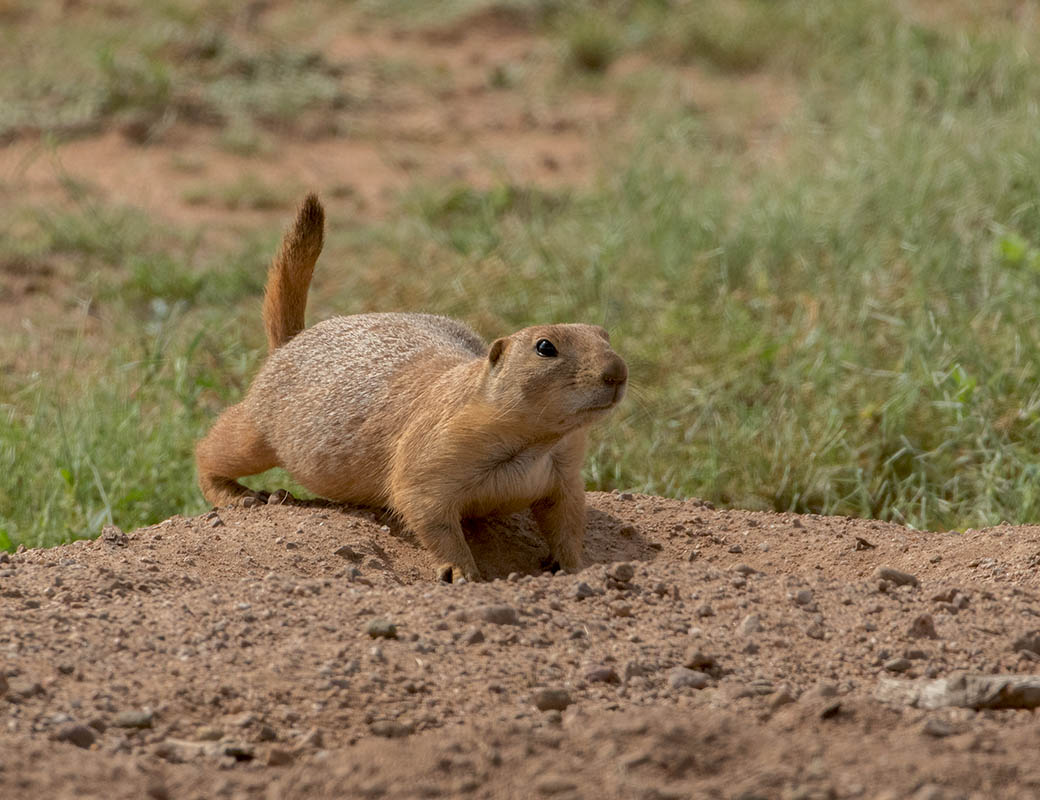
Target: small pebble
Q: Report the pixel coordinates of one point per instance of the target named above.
(79, 735)
(893, 575)
(348, 552)
(697, 659)
(134, 719)
(391, 729)
(923, 627)
(277, 757)
(683, 678)
(382, 629)
(598, 673)
(549, 699)
(751, 624)
(937, 727)
(623, 572)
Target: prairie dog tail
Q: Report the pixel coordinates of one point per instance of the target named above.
(285, 296)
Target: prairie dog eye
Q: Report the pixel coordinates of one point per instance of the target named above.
(545, 348)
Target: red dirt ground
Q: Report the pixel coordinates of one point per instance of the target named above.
(739, 657)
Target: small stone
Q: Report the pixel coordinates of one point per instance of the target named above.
(783, 696)
(898, 664)
(498, 615)
(348, 552)
(79, 735)
(598, 673)
(705, 610)
(830, 709)
(267, 734)
(113, 534)
(134, 719)
(683, 678)
(699, 660)
(209, 733)
(249, 502)
(898, 577)
(549, 699)
(803, 597)
(816, 631)
(750, 625)
(240, 751)
(583, 591)
(745, 569)
(735, 548)
(635, 669)
(391, 729)
(944, 595)
(216, 522)
(923, 627)
(277, 757)
(279, 497)
(177, 751)
(863, 544)
(381, 629)
(937, 727)
(472, 636)
(623, 572)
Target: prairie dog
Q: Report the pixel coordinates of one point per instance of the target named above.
(414, 412)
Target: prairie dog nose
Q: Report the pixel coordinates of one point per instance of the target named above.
(615, 372)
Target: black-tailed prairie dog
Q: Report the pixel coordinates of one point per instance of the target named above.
(415, 413)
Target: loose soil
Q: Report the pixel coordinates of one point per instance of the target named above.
(304, 651)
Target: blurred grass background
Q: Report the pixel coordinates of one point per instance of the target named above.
(841, 321)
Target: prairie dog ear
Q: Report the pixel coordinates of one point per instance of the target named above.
(498, 347)
(602, 332)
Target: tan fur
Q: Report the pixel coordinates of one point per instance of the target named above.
(285, 296)
(414, 412)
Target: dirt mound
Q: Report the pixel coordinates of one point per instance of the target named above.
(303, 651)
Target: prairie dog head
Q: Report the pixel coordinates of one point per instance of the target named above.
(555, 378)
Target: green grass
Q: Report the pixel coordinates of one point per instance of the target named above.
(152, 64)
(845, 322)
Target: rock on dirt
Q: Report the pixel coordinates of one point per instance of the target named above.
(551, 699)
(898, 577)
